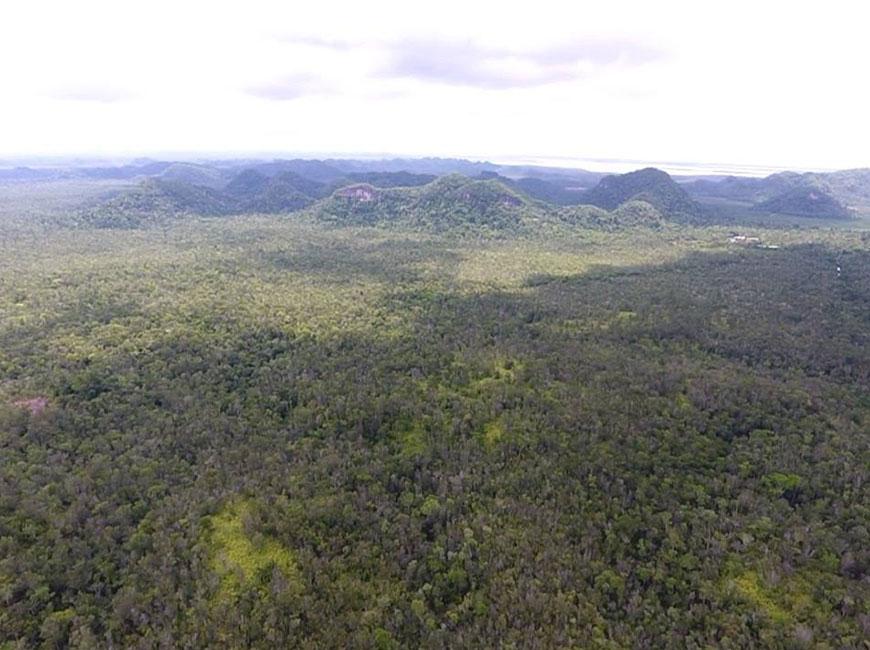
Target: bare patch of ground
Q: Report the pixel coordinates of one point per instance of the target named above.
(35, 405)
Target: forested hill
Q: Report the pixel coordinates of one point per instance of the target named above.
(389, 198)
(488, 202)
(805, 202)
(449, 202)
(833, 195)
(152, 201)
(487, 199)
(186, 191)
(650, 185)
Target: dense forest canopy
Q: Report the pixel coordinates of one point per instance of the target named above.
(322, 404)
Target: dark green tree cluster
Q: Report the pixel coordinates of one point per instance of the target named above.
(647, 456)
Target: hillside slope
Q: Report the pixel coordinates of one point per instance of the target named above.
(848, 188)
(805, 202)
(154, 200)
(449, 202)
(650, 185)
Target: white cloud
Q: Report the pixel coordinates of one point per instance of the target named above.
(767, 83)
(89, 92)
(294, 86)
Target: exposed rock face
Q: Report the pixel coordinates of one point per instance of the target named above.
(35, 405)
(360, 192)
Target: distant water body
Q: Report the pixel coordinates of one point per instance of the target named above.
(620, 166)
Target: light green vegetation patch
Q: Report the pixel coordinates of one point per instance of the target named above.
(493, 433)
(779, 483)
(506, 369)
(683, 402)
(242, 559)
(412, 441)
(751, 588)
(503, 371)
(802, 597)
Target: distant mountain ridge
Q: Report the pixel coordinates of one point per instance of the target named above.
(326, 171)
(489, 198)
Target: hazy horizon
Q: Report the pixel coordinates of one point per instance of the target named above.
(740, 86)
(600, 165)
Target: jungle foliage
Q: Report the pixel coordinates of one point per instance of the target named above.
(264, 432)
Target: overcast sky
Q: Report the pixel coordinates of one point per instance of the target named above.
(763, 83)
